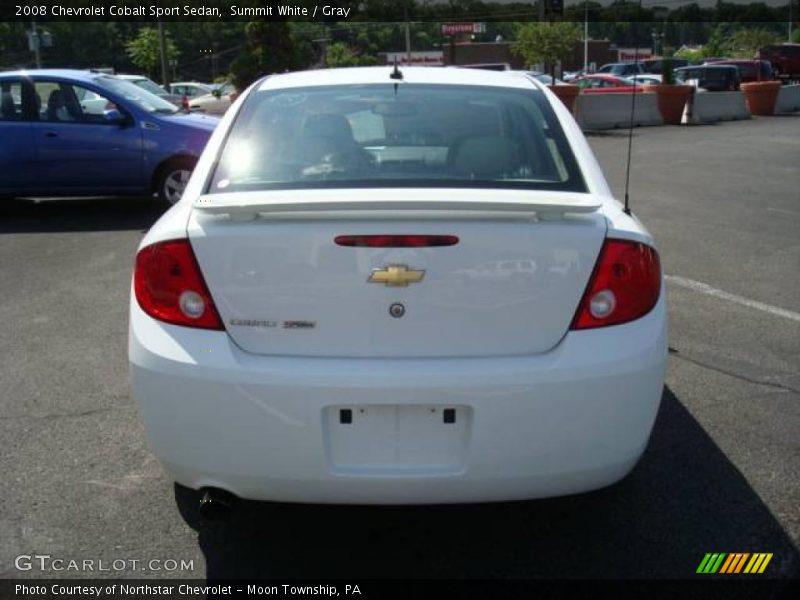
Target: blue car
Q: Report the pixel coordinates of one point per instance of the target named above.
(81, 133)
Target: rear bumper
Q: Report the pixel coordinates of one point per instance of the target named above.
(574, 419)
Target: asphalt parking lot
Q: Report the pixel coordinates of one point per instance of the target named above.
(721, 474)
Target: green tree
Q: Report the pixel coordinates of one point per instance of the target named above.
(744, 43)
(546, 42)
(145, 52)
(717, 39)
(690, 55)
(272, 47)
(339, 54)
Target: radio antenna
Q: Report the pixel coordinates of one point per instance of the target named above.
(627, 208)
(396, 73)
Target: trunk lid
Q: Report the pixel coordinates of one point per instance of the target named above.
(510, 285)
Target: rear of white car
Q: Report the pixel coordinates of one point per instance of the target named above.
(398, 288)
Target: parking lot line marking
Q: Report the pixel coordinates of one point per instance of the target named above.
(704, 288)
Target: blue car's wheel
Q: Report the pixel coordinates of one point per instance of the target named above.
(172, 180)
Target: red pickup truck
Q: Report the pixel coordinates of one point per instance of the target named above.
(785, 59)
(749, 70)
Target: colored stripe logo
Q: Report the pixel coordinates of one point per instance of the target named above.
(734, 563)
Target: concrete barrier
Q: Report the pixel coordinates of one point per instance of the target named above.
(788, 99)
(710, 107)
(610, 111)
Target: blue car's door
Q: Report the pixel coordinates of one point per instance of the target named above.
(17, 150)
(78, 149)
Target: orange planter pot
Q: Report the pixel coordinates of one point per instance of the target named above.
(760, 96)
(567, 94)
(671, 101)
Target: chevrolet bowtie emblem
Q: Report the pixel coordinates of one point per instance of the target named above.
(396, 276)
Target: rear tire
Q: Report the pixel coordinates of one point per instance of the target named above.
(171, 180)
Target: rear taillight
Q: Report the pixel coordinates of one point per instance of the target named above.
(625, 285)
(169, 286)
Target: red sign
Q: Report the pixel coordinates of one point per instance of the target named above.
(629, 54)
(459, 28)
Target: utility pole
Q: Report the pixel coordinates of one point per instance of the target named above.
(791, 2)
(162, 45)
(323, 42)
(214, 60)
(408, 34)
(34, 44)
(586, 36)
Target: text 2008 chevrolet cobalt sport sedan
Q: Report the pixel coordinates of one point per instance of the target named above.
(387, 286)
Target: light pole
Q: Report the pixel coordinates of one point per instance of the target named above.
(586, 36)
(658, 43)
(408, 34)
(162, 46)
(34, 43)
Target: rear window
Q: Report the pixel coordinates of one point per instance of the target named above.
(11, 100)
(717, 74)
(387, 135)
(748, 71)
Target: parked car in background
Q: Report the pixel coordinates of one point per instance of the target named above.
(383, 293)
(655, 66)
(713, 78)
(621, 69)
(601, 83)
(190, 89)
(749, 70)
(570, 76)
(545, 78)
(152, 87)
(214, 103)
(647, 79)
(785, 59)
(78, 133)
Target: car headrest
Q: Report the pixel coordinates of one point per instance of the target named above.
(329, 125)
(55, 99)
(484, 157)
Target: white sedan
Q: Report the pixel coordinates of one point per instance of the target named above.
(216, 102)
(301, 328)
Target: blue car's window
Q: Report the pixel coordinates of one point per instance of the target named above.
(137, 95)
(11, 100)
(396, 136)
(59, 102)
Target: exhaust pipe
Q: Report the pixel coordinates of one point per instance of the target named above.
(216, 504)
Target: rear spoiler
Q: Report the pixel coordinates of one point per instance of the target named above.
(397, 202)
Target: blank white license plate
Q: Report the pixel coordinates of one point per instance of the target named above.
(397, 439)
